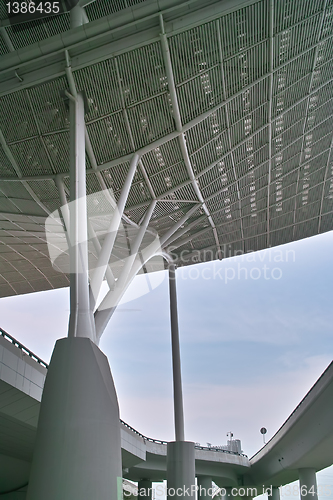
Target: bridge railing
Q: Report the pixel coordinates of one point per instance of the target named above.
(151, 440)
(22, 347)
(197, 447)
(33, 356)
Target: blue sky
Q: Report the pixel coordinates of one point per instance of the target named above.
(251, 348)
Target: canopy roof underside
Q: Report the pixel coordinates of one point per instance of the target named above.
(253, 83)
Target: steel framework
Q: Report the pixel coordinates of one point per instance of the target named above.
(223, 107)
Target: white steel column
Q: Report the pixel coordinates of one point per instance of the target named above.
(77, 453)
(104, 256)
(180, 453)
(78, 16)
(112, 298)
(109, 303)
(308, 484)
(64, 205)
(176, 367)
(180, 130)
(81, 321)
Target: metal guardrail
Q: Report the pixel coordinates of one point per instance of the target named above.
(151, 440)
(197, 447)
(22, 347)
(212, 448)
(33, 356)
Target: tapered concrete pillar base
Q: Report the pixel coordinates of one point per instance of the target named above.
(78, 451)
(181, 470)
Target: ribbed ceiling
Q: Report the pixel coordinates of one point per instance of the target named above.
(254, 92)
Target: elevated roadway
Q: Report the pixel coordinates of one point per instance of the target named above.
(208, 123)
(22, 377)
(304, 440)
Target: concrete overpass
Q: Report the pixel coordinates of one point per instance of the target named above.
(206, 124)
(303, 442)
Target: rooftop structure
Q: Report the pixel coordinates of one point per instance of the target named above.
(227, 104)
(136, 131)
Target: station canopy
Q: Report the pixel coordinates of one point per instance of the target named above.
(230, 110)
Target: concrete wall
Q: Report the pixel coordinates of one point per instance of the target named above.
(20, 371)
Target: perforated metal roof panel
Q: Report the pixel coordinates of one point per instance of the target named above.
(250, 94)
